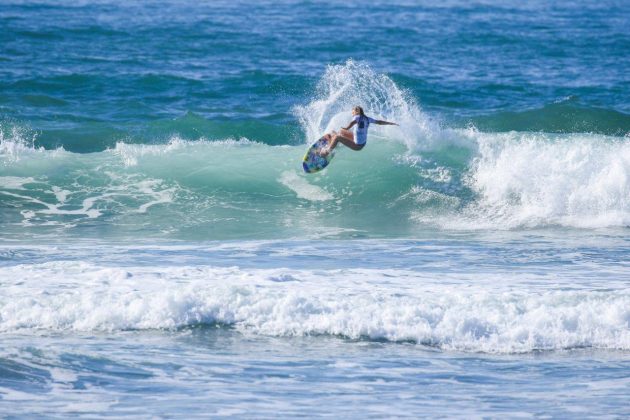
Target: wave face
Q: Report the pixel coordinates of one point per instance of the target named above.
(416, 176)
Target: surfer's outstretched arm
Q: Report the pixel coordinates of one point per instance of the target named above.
(383, 122)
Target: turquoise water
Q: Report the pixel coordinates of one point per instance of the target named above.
(159, 240)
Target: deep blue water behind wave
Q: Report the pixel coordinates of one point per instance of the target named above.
(68, 66)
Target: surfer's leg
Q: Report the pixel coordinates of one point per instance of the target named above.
(332, 143)
(337, 138)
(349, 143)
(347, 134)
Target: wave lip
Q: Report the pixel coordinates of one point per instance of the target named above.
(357, 304)
(532, 180)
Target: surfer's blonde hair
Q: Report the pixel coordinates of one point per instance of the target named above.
(358, 109)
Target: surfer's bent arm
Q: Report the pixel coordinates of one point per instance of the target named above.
(353, 122)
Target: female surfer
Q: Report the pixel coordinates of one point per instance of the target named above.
(357, 140)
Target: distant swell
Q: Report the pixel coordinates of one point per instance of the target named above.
(96, 136)
(563, 117)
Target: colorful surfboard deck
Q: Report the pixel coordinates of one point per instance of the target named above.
(313, 161)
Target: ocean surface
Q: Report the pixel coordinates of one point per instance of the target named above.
(162, 253)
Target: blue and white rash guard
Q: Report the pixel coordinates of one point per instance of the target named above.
(361, 130)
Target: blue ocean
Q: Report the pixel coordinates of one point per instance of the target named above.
(164, 255)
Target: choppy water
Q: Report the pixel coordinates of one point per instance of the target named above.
(160, 240)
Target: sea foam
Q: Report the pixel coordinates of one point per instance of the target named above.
(373, 304)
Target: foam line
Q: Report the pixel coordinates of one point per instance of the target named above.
(354, 303)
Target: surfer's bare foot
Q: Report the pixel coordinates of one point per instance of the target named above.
(325, 151)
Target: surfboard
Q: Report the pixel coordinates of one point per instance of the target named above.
(313, 162)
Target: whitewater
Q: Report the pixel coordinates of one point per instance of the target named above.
(163, 254)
